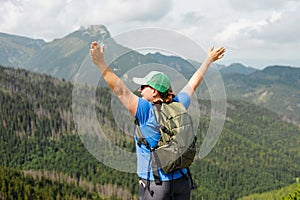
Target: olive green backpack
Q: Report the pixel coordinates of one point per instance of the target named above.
(176, 148)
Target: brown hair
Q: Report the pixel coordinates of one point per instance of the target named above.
(166, 97)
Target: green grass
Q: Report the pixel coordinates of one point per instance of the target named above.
(282, 193)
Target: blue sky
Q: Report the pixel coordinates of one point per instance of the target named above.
(256, 33)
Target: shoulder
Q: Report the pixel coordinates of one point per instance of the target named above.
(183, 98)
(143, 104)
(143, 109)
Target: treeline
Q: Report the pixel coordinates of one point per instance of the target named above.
(256, 151)
(14, 184)
(38, 132)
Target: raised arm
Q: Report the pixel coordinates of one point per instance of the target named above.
(116, 85)
(197, 77)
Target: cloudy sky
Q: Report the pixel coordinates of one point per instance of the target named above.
(256, 33)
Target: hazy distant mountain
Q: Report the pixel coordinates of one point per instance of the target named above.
(237, 68)
(179, 64)
(286, 75)
(275, 87)
(16, 50)
(62, 57)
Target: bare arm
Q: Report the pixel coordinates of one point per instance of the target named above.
(197, 77)
(116, 85)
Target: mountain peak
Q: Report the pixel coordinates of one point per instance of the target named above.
(237, 68)
(95, 28)
(92, 31)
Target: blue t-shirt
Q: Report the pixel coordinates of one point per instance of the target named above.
(148, 125)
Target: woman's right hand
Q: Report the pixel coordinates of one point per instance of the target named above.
(97, 54)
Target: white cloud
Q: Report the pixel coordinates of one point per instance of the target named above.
(191, 17)
(50, 19)
(258, 5)
(277, 28)
(275, 17)
(114, 11)
(283, 28)
(32, 18)
(12, 13)
(240, 31)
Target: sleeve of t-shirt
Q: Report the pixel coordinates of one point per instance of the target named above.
(183, 98)
(142, 112)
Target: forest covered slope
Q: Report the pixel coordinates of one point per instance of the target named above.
(256, 152)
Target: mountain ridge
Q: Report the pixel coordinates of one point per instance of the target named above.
(237, 68)
(67, 53)
(275, 87)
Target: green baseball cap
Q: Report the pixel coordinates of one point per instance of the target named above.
(156, 80)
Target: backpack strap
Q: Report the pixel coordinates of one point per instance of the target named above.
(153, 156)
(155, 166)
(163, 130)
(139, 134)
(187, 176)
(193, 186)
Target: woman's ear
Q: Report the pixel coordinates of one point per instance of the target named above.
(155, 93)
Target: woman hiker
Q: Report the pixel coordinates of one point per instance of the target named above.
(155, 88)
